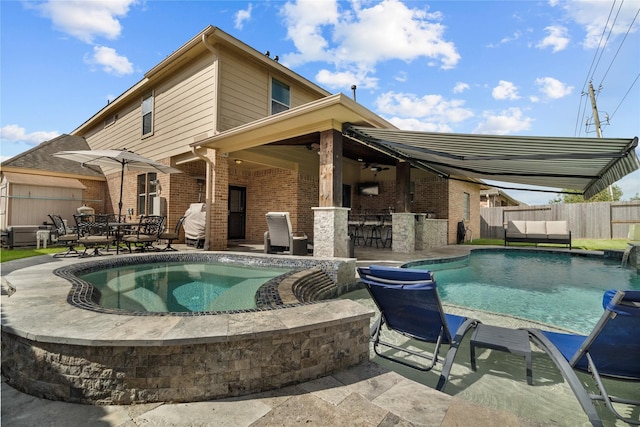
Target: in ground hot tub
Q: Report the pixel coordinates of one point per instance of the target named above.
(59, 344)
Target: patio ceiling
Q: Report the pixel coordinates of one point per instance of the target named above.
(587, 165)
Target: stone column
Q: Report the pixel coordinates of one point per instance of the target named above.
(420, 235)
(330, 231)
(404, 232)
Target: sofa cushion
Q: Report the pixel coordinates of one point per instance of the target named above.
(557, 228)
(515, 228)
(537, 229)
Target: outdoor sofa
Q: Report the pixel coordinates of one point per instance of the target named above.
(538, 232)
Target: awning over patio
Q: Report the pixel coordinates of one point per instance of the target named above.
(587, 165)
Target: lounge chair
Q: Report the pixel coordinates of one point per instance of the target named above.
(62, 235)
(281, 238)
(409, 304)
(612, 350)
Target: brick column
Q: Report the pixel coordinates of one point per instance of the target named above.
(218, 218)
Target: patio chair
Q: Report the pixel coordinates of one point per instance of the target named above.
(171, 236)
(63, 236)
(93, 233)
(409, 304)
(611, 350)
(146, 233)
(281, 238)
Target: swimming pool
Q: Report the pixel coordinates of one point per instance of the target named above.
(180, 287)
(558, 288)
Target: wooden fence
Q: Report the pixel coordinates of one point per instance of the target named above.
(600, 220)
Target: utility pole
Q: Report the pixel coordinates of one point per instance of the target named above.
(596, 119)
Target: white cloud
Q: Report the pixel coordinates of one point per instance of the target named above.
(504, 122)
(242, 16)
(552, 88)
(557, 38)
(363, 36)
(460, 87)
(505, 90)
(592, 16)
(15, 133)
(344, 79)
(401, 76)
(429, 112)
(110, 61)
(515, 36)
(87, 20)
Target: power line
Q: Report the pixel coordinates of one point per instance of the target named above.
(608, 35)
(619, 47)
(625, 95)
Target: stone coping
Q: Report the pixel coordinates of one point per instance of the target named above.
(39, 311)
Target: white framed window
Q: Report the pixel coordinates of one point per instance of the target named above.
(147, 114)
(280, 96)
(147, 192)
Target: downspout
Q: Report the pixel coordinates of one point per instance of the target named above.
(211, 169)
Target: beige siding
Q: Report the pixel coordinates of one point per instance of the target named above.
(245, 88)
(183, 108)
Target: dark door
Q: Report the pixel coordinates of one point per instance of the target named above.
(237, 208)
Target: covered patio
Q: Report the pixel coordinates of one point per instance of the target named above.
(347, 137)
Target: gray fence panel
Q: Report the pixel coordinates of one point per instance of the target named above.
(598, 220)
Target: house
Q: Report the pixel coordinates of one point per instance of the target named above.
(35, 184)
(252, 136)
(494, 197)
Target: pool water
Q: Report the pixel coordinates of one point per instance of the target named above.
(181, 287)
(554, 288)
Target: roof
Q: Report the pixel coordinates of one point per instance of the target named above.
(497, 192)
(40, 158)
(587, 165)
(326, 113)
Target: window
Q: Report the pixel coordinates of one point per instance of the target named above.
(467, 206)
(147, 114)
(147, 191)
(280, 97)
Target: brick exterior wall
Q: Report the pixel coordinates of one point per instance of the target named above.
(97, 190)
(456, 207)
(286, 190)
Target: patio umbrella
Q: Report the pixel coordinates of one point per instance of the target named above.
(126, 160)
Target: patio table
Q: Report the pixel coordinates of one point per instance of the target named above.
(515, 341)
(119, 229)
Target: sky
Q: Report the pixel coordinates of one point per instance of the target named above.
(490, 67)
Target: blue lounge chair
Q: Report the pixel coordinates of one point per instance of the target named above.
(611, 350)
(409, 304)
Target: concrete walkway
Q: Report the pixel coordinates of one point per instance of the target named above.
(367, 395)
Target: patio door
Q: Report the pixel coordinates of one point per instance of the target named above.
(237, 212)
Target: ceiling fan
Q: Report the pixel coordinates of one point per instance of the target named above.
(374, 167)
